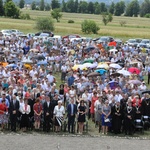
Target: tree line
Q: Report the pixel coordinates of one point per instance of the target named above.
(133, 8)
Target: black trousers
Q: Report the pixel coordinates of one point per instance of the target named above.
(71, 120)
(46, 124)
(13, 119)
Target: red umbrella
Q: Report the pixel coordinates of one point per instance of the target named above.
(134, 70)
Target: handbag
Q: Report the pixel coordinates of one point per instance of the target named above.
(107, 120)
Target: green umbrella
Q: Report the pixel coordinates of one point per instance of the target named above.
(88, 61)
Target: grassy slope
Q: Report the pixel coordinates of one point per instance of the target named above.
(135, 27)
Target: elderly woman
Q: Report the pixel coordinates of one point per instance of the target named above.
(59, 112)
(106, 122)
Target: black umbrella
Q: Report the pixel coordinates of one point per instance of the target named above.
(115, 74)
(93, 74)
(39, 57)
(1, 53)
(147, 91)
(89, 48)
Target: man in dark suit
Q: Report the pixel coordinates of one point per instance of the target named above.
(14, 109)
(72, 111)
(48, 113)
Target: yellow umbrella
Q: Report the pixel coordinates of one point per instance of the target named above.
(82, 67)
(28, 66)
(103, 65)
(4, 64)
(72, 52)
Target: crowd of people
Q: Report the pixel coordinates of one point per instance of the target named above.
(98, 83)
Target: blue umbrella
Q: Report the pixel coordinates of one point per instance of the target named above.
(89, 48)
(101, 71)
(12, 65)
(113, 84)
(42, 63)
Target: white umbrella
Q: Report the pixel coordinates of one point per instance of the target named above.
(124, 72)
(113, 50)
(89, 65)
(116, 66)
(27, 61)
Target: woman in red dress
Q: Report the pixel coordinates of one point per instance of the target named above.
(3, 114)
(37, 107)
(94, 98)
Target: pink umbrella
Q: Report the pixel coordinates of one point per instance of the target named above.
(134, 70)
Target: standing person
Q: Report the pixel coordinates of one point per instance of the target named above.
(117, 117)
(72, 111)
(94, 98)
(98, 111)
(81, 118)
(106, 122)
(25, 110)
(129, 114)
(48, 113)
(63, 72)
(14, 110)
(3, 114)
(37, 107)
(59, 112)
(72, 93)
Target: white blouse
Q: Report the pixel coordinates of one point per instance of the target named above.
(59, 112)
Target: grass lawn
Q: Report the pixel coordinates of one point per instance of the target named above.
(136, 27)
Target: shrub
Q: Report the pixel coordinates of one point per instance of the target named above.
(44, 24)
(147, 15)
(70, 21)
(89, 26)
(25, 16)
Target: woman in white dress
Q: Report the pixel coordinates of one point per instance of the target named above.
(59, 112)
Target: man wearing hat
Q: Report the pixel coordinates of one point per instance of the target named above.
(14, 109)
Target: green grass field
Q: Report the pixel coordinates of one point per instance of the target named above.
(136, 27)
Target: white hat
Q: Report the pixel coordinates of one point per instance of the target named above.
(60, 101)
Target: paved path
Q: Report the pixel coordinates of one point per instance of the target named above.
(53, 142)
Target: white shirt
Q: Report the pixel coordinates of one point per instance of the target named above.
(59, 112)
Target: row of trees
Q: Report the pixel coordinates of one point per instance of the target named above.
(75, 6)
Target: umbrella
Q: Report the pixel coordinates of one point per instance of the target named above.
(27, 61)
(103, 65)
(4, 64)
(93, 74)
(89, 65)
(80, 66)
(116, 66)
(28, 66)
(134, 82)
(115, 74)
(134, 70)
(42, 63)
(113, 50)
(88, 61)
(34, 50)
(12, 65)
(1, 53)
(39, 57)
(147, 91)
(113, 84)
(89, 48)
(124, 72)
(101, 71)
